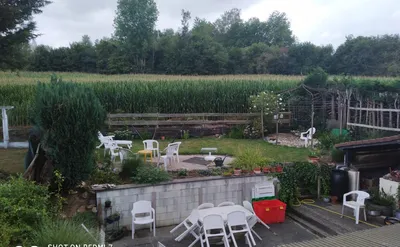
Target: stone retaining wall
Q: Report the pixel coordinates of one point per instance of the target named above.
(173, 201)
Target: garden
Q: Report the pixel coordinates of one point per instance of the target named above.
(52, 195)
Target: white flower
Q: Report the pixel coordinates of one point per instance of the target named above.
(280, 98)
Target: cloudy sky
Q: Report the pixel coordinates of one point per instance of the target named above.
(318, 21)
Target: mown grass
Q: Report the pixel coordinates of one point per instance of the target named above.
(12, 160)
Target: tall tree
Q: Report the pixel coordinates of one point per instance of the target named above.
(134, 27)
(16, 27)
(278, 30)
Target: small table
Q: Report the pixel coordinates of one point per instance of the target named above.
(145, 153)
(210, 151)
(223, 211)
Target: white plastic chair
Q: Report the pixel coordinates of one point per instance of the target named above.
(143, 208)
(107, 139)
(356, 205)
(306, 136)
(113, 149)
(237, 223)
(152, 145)
(213, 227)
(191, 225)
(253, 220)
(176, 153)
(205, 206)
(169, 154)
(224, 204)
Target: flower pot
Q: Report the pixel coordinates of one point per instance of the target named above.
(334, 199)
(163, 138)
(257, 170)
(266, 170)
(385, 210)
(237, 172)
(272, 169)
(326, 199)
(279, 169)
(109, 220)
(313, 159)
(245, 172)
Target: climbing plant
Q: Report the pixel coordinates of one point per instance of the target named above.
(302, 176)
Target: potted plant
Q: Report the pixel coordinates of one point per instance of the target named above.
(257, 170)
(266, 169)
(313, 156)
(113, 218)
(163, 138)
(326, 198)
(279, 168)
(334, 199)
(107, 204)
(227, 174)
(380, 201)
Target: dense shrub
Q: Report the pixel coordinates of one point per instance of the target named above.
(237, 132)
(328, 140)
(130, 166)
(24, 205)
(67, 232)
(149, 174)
(123, 135)
(69, 116)
(250, 158)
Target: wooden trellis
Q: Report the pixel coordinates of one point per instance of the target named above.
(374, 118)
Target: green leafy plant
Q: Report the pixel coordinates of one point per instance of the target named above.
(381, 198)
(149, 174)
(130, 166)
(237, 132)
(88, 218)
(123, 135)
(302, 176)
(328, 140)
(69, 116)
(337, 155)
(58, 180)
(182, 173)
(186, 134)
(24, 206)
(67, 232)
(248, 159)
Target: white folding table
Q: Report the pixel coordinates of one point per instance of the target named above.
(223, 211)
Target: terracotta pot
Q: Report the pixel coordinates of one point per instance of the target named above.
(163, 138)
(313, 160)
(245, 172)
(279, 169)
(257, 170)
(334, 199)
(266, 170)
(272, 169)
(237, 172)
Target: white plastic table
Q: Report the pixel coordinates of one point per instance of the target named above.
(223, 211)
(209, 150)
(125, 143)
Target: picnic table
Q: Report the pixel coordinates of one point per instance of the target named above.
(210, 157)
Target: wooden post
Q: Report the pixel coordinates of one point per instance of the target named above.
(360, 119)
(319, 187)
(262, 123)
(348, 112)
(333, 112)
(312, 122)
(382, 114)
(277, 123)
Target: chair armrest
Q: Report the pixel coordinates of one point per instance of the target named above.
(348, 194)
(153, 213)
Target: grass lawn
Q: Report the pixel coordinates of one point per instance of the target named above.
(233, 146)
(12, 160)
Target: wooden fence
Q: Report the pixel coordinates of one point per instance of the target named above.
(187, 119)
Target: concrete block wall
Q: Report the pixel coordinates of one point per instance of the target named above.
(173, 201)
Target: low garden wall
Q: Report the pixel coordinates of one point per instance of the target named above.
(173, 201)
(388, 186)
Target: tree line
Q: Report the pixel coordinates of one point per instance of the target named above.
(229, 45)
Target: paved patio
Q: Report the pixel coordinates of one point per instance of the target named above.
(287, 232)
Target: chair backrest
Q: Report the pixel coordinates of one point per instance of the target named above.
(224, 204)
(205, 205)
(193, 217)
(150, 144)
(361, 196)
(178, 145)
(213, 221)
(247, 205)
(141, 207)
(100, 135)
(160, 245)
(172, 147)
(309, 131)
(236, 218)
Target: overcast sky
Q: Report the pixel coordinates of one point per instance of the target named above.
(318, 21)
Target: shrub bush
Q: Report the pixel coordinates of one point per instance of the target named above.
(337, 155)
(249, 159)
(130, 166)
(123, 135)
(149, 174)
(69, 116)
(88, 218)
(237, 132)
(66, 232)
(327, 140)
(24, 205)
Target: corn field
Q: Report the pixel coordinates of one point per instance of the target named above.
(150, 93)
